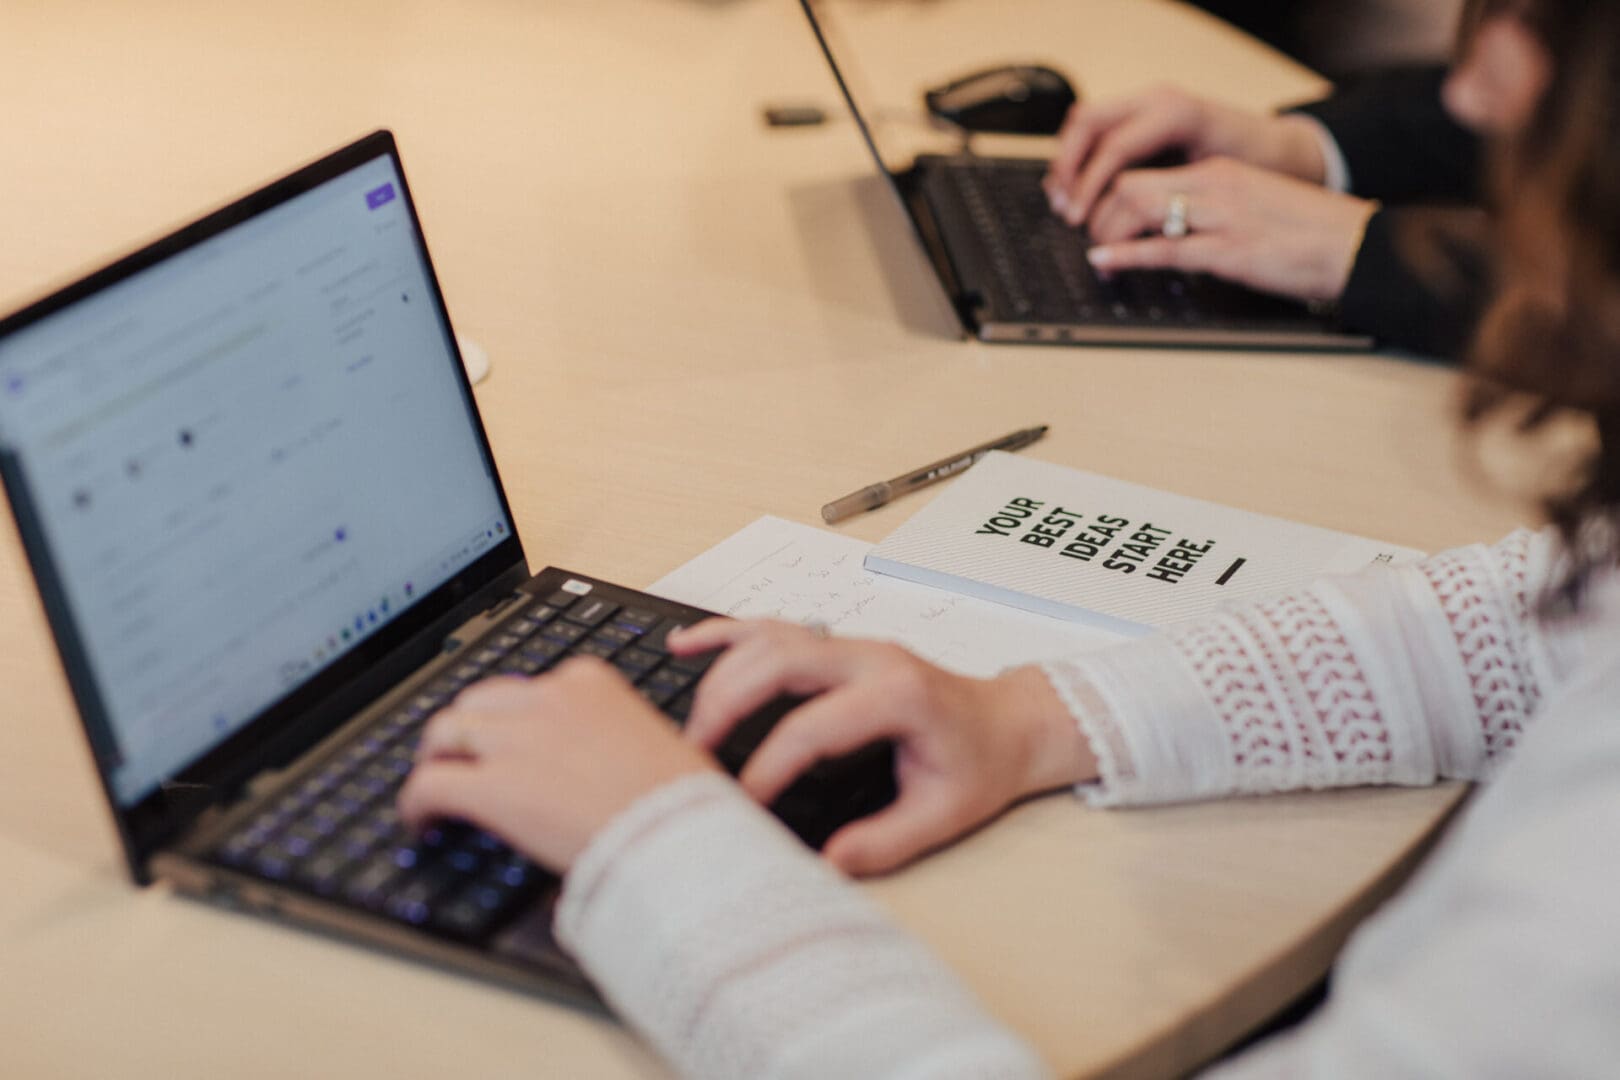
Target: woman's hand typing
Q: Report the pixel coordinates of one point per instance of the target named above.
(964, 748)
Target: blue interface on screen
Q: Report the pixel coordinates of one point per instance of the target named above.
(246, 460)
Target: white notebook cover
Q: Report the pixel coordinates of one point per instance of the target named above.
(1076, 545)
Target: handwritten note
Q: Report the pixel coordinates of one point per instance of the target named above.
(779, 569)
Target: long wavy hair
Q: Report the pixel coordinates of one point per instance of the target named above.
(1548, 346)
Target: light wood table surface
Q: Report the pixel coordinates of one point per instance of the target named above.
(693, 320)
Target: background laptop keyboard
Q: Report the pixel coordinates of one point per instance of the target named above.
(334, 832)
(1002, 236)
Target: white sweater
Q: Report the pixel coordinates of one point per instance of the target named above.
(737, 953)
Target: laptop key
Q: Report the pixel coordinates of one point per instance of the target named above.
(590, 611)
(413, 901)
(393, 724)
(323, 872)
(399, 765)
(523, 626)
(302, 839)
(478, 908)
(670, 678)
(326, 818)
(463, 918)
(316, 786)
(298, 801)
(443, 688)
(515, 872)
(464, 860)
(660, 694)
(636, 619)
(518, 664)
(694, 665)
(352, 797)
(487, 656)
(565, 633)
(597, 646)
(636, 662)
(369, 885)
(561, 599)
(544, 650)
(654, 638)
(240, 848)
(616, 634)
(274, 862)
(368, 834)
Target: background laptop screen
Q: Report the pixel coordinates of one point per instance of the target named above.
(245, 460)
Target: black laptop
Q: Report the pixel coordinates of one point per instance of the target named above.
(267, 530)
(1014, 272)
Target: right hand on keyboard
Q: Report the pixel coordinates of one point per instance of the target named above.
(964, 749)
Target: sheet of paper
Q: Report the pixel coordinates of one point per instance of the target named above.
(780, 569)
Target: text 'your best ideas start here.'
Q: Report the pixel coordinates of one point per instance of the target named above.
(1108, 540)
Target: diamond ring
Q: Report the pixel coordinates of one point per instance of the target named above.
(1175, 218)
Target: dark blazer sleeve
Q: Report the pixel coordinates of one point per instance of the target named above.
(1398, 140)
(1422, 279)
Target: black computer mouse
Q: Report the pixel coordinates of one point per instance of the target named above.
(1018, 99)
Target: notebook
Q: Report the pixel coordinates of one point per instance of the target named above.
(1014, 272)
(270, 538)
(1077, 545)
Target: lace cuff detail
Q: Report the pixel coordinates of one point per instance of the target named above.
(1097, 724)
(1384, 677)
(1487, 604)
(1130, 701)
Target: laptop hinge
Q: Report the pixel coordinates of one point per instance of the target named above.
(504, 600)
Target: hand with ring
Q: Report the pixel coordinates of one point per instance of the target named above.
(1235, 221)
(1100, 140)
(545, 763)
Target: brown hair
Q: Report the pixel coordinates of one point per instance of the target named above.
(1551, 337)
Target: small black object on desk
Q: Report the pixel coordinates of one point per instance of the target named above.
(794, 115)
(1017, 99)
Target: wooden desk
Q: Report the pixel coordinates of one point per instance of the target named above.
(693, 321)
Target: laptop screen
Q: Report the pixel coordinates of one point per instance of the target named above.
(244, 461)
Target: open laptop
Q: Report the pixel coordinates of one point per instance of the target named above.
(268, 533)
(1014, 272)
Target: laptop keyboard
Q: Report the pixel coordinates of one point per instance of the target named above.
(1012, 244)
(1039, 264)
(336, 834)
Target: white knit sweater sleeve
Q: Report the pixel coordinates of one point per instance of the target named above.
(1392, 676)
(737, 952)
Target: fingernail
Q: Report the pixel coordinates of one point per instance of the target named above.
(1060, 202)
(1071, 214)
(1100, 257)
